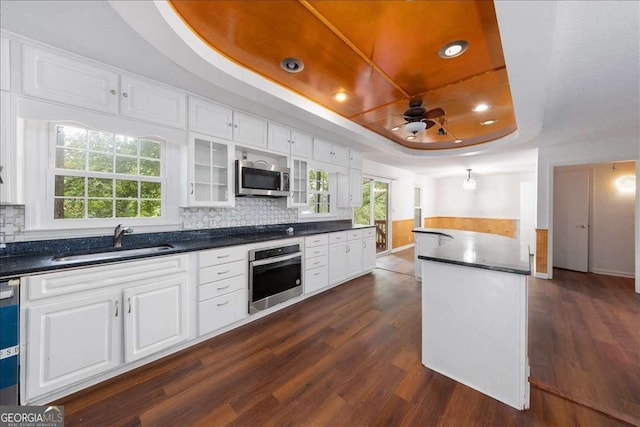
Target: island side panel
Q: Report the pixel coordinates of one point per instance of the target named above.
(474, 329)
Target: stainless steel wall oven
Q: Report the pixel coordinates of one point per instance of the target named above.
(275, 275)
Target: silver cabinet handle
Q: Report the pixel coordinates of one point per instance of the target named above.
(348, 248)
(223, 287)
(316, 273)
(192, 188)
(1, 182)
(113, 91)
(125, 94)
(223, 303)
(364, 244)
(582, 226)
(223, 256)
(129, 300)
(235, 126)
(116, 308)
(223, 272)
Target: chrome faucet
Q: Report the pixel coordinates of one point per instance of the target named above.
(118, 233)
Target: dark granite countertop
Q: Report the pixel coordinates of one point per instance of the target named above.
(479, 250)
(19, 259)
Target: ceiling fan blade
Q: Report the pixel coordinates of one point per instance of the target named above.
(429, 124)
(432, 114)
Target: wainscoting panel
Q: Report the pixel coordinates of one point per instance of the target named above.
(542, 243)
(401, 232)
(502, 226)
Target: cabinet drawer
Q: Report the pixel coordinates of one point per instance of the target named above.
(338, 237)
(316, 279)
(315, 262)
(369, 232)
(221, 287)
(222, 311)
(91, 278)
(316, 251)
(220, 272)
(219, 256)
(317, 240)
(354, 234)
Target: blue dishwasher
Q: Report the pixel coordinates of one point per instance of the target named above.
(9, 341)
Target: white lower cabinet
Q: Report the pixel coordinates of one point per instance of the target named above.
(368, 249)
(316, 254)
(337, 257)
(79, 323)
(72, 340)
(354, 252)
(155, 317)
(216, 313)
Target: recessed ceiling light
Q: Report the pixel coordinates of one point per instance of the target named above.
(458, 141)
(395, 128)
(488, 122)
(411, 137)
(340, 96)
(292, 65)
(453, 49)
(480, 107)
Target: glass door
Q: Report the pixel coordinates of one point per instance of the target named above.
(375, 210)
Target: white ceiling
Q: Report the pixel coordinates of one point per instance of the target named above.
(574, 70)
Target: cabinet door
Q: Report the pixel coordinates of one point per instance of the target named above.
(354, 257)
(322, 151)
(210, 172)
(155, 317)
(221, 311)
(299, 183)
(279, 138)
(210, 118)
(301, 144)
(315, 279)
(58, 78)
(148, 101)
(8, 164)
(355, 160)
(249, 130)
(71, 341)
(344, 190)
(355, 188)
(337, 263)
(5, 65)
(368, 254)
(340, 155)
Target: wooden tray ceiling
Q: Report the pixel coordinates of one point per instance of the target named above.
(381, 53)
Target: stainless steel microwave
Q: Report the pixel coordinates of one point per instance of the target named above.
(261, 179)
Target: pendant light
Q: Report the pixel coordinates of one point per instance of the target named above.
(469, 183)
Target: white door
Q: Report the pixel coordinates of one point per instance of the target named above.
(249, 130)
(571, 220)
(155, 317)
(369, 254)
(322, 151)
(210, 171)
(210, 118)
(147, 101)
(337, 263)
(355, 188)
(354, 257)
(279, 138)
(340, 155)
(301, 144)
(71, 341)
(62, 79)
(299, 183)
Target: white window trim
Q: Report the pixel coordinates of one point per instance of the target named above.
(333, 193)
(39, 172)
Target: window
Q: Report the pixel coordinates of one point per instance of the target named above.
(105, 175)
(319, 193)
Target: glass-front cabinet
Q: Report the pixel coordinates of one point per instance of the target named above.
(299, 183)
(210, 171)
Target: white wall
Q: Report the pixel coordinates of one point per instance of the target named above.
(588, 150)
(612, 243)
(495, 196)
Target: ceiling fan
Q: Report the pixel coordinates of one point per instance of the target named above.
(418, 118)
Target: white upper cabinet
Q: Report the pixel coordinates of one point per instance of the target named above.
(5, 65)
(289, 141)
(249, 130)
(210, 118)
(147, 101)
(355, 159)
(355, 188)
(69, 81)
(328, 152)
(210, 171)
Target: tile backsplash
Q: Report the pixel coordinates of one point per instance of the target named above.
(11, 223)
(248, 211)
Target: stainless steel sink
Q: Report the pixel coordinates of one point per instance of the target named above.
(113, 254)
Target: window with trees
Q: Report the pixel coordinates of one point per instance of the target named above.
(105, 175)
(319, 193)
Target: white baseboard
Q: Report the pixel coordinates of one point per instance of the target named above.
(402, 248)
(613, 273)
(541, 275)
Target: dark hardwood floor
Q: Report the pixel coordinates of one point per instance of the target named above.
(347, 357)
(584, 340)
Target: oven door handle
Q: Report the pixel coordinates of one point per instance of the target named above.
(275, 259)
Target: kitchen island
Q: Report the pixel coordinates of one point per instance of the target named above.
(474, 310)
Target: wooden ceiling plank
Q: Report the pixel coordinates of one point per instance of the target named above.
(353, 47)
